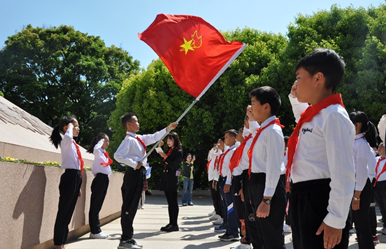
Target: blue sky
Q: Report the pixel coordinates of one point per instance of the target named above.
(119, 22)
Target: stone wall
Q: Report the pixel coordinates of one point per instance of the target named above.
(29, 201)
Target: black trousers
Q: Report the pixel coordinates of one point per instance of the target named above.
(171, 197)
(98, 193)
(216, 198)
(237, 202)
(380, 195)
(250, 215)
(362, 219)
(372, 214)
(69, 186)
(270, 229)
(132, 187)
(308, 208)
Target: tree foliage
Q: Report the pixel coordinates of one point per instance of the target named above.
(59, 71)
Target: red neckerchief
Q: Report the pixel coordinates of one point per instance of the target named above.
(376, 169)
(306, 116)
(108, 158)
(79, 157)
(236, 157)
(222, 159)
(168, 154)
(207, 165)
(140, 141)
(259, 131)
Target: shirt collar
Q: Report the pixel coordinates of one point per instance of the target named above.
(267, 121)
(131, 134)
(360, 135)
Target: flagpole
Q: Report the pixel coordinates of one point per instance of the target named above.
(168, 131)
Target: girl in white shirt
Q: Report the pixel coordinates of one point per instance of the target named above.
(71, 179)
(365, 134)
(101, 170)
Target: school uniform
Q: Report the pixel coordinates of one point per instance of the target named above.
(267, 156)
(230, 219)
(362, 152)
(323, 176)
(249, 214)
(216, 196)
(380, 187)
(169, 182)
(130, 152)
(372, 175)
(101, 170)
(69, 186)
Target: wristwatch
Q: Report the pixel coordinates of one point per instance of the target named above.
(267, 201)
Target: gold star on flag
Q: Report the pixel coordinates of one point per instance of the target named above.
(187, 46)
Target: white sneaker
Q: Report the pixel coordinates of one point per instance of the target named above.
(215, 217)
(100, 235)
(287, 229)
(242, 246)
(212, 213)
(219, 221)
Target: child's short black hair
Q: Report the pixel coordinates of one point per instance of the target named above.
(267, 94)
(231, 132)
(127, 117)
(326, 61)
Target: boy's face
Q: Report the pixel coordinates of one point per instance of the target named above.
(133, 125)
(229, 140)
(258, 110)
(304, 85)
(221, 145)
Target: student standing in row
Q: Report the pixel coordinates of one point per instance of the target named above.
(320, 155)
(101, 170)
(365, 134)
(380, 184)
(266, 154)
(71, 179)
(169, 178)
(130, 152)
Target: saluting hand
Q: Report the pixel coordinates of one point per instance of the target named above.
(293, 89)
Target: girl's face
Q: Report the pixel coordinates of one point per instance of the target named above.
(170, 142)
(76, 128)
(106, 142)
(189, 158)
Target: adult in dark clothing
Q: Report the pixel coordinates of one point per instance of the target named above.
(169, 179)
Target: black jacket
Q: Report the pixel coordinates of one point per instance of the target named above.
(188, 169)
(169, 180)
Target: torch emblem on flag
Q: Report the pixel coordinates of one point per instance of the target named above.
(195, 42)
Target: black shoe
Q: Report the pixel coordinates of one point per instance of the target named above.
(172, 228)
(230, 237)
(190, 204)
(164, 228)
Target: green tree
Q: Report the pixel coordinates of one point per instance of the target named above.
(59, 71)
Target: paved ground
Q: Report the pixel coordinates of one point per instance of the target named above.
(195, 229)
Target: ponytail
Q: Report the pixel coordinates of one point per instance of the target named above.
(371, 135)
(95, 141)
(368, 128)
(55, 137)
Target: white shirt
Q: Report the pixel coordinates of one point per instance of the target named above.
(131, 151)
(226, 172)
(284, 164)
(267, 155)
(324, 150)
(239, 169)
(211, 159)
(380, 167)
(215, 173)
(99, 158)
(362, 154)
(372, 164)
(244, 161)
(70, 159)
(382, 129)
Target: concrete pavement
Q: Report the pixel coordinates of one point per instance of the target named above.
(195, 229)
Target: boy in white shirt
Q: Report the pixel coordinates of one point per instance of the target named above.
(130, 152)
(320, 153)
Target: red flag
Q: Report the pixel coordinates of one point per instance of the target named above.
(195, 53)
